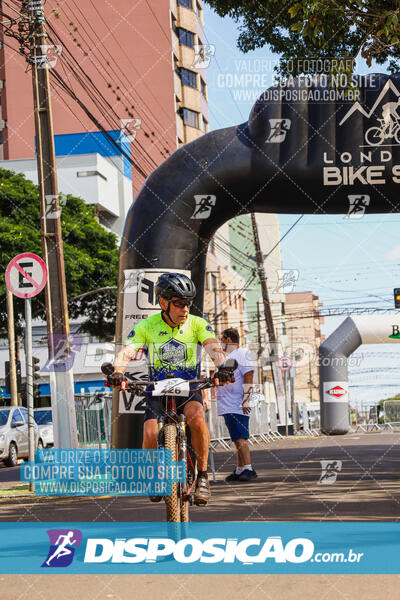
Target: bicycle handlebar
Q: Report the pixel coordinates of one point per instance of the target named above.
(108, 370)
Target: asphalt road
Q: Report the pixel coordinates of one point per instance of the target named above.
(287, 489)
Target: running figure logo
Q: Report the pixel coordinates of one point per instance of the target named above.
(279, 129)
(357, 205)
(330, 470)
(64, 348)
(286, 281)
(204, 205)
(202, 55)
(62, 547)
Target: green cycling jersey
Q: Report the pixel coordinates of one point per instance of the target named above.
(171, 349)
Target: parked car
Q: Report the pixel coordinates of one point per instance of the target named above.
(14, 434)
(44, 420)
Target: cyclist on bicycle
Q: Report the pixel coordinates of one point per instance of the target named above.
(173, 340)
(390, 115)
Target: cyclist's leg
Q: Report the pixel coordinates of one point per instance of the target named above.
(150, 430)
(194, 414)
(150, 433)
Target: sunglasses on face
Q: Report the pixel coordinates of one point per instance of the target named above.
(182, 303)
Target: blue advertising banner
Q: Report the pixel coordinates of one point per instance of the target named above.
(215, 548)
(103, 472)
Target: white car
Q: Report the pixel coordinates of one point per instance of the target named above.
(44, 420)
(14, 434)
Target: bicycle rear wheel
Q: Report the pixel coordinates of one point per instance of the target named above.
(173, 501)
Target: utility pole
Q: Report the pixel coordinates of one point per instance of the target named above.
(52, 244)
(11, 345)
(260, 348)
(276, 373)
(61, 381)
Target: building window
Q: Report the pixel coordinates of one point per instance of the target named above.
(1, 137)
(188, 78)
(203, 87)
(190, 117)
(186, 37)
(90, 174)
(204, 125)
(186, 3)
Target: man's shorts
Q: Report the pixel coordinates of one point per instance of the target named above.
(156, 404)
(238, 426)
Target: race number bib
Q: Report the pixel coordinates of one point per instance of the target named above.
(175, 387)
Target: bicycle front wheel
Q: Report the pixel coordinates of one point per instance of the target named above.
(374, 136)
(173, 501)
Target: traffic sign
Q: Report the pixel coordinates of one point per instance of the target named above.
(285, 363)
(26, 275)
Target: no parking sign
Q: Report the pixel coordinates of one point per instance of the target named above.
(26, 275)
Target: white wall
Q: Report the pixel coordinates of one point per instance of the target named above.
(112, 194)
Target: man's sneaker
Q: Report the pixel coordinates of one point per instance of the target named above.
(202, 492)
(232, 477)
(247, 475)
(155, 498)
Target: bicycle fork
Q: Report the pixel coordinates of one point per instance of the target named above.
(182, 446)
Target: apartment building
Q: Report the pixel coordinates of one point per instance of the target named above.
(244, 263)
(303, 334)
(147, 61)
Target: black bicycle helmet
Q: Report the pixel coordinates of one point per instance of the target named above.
(169, 285)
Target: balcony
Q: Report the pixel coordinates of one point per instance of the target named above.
(191, 98)
(187, 19)
(186, 57)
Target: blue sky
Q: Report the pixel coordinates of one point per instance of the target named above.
(347, 263)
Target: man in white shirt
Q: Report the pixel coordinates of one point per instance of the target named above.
(233, 405)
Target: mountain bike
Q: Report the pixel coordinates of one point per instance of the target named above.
(374, 136)
(172, 434)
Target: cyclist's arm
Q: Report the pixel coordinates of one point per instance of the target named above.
(135, 340)
(206, 337)
(214, 351)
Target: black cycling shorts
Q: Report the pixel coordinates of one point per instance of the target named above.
(154, 404)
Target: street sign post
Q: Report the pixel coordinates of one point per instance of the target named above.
(26, 276)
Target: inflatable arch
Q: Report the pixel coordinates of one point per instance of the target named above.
(306, 148)
(333, 355)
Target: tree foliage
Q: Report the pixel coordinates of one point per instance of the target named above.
(313, 29)
(90, 254)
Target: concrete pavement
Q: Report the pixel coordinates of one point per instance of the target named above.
(367, 487)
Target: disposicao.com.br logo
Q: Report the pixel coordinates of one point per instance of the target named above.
(247, 551)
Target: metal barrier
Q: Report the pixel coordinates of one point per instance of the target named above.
(391, 412)
(367, 420)
(310, 412)
(263, 425)
(93, 416)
